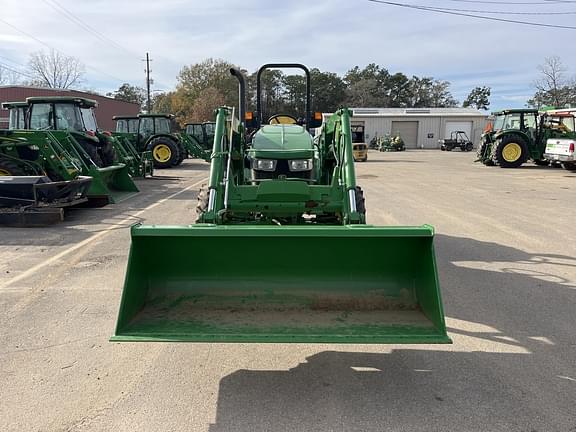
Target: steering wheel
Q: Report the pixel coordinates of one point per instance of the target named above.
(282, 119)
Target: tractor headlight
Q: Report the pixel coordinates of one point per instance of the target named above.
(264, 164)
(300, 164)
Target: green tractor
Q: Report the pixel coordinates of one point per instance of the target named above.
(153, 133)
(281, 225)
(59, 139)
(197, 139)
(391, 143)
(516, 136)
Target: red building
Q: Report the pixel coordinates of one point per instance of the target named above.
(107, 107)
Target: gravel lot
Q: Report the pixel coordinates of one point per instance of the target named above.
(506, 253)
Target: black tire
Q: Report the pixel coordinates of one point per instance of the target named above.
(107, 154)
(543, 162)
(9, 168)
(182, 154)
(516, 147)
(569, 166)
(165, 153)
(93, 153)
(360, 201)
(202, 203)
(469, 147)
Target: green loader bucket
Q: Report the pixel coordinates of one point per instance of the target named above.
(347, 284)
(112, 183)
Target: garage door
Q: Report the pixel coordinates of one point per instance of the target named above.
(408, 130)
(453, 126)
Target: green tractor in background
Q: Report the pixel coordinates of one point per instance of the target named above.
(153, 133)
(198, 139)
(281, 225)
(515, 136)
(390, 143)
(59, 139)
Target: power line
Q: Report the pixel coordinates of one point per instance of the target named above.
(7, 67)
(501, 12)
(429, 9)
(85, 26)
(57, 50)
(545, 2)
(12, 61)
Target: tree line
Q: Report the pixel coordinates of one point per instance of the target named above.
(203, 86)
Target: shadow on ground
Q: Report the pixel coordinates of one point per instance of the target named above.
(513, 369)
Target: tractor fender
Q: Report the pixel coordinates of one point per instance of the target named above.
(169, 136)
(524, 135)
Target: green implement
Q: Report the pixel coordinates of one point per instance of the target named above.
(272, 290)
(282, 252)
(58, 137)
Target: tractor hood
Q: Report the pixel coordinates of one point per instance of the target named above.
(282, 142)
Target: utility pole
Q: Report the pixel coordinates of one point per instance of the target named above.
(147, 70)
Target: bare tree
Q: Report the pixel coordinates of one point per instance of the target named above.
(55, 70)
(553, 87)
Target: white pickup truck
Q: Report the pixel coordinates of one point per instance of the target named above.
(561, 150)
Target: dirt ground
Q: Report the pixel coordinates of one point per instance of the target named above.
(506, 253)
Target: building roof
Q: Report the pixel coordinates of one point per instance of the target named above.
(418, 112)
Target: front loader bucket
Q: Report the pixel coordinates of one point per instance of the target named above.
(351, 284)
(112, 184)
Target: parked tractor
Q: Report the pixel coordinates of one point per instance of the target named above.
(458, 139)
(197, 139)
(516, 136)
(153, 133)
(61, 140)
(281, 225)
(390, 143)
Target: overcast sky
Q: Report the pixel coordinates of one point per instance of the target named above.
(333, 35)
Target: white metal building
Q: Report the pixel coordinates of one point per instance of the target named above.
(420, 127)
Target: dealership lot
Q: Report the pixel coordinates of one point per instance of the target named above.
(506, 256)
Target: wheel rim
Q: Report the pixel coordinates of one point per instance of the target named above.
(511, 152)
(4, 172)
(162, 153)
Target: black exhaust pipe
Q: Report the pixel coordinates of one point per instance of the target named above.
(241, 92)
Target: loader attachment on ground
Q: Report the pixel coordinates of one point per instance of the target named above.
(302, 284)
(112, 183)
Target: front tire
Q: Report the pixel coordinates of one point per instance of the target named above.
(510, 151)
(202, 203)
(360, 201)
(9, 168)
(165, 153)
(569, 166)
(107, 154)
(93, 153)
